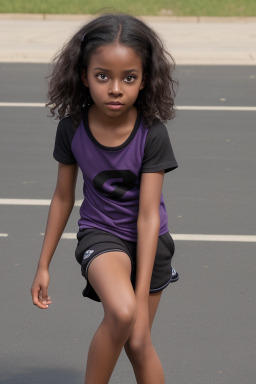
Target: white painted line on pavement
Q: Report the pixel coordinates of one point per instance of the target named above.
(194, 237)
(178, 107)
(214, 108)
(24, 105)
(35, 202)
(24, 202)
(68, 236)
(219, 238)
(3, 234)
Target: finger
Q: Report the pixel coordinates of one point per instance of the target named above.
(44, 297)
(37, 301)
(44, 294)
(47, 301)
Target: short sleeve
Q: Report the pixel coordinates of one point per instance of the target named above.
(158, 154)
(64, 136)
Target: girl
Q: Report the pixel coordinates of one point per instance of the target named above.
(112, 88)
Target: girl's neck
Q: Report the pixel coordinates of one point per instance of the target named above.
(108, 131)
(96, 118)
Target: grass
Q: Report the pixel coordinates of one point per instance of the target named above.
(135, 7)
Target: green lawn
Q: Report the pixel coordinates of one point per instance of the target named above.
(136, 7)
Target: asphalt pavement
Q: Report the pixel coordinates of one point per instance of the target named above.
(204, 330)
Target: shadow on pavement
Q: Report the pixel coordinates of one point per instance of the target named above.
(40, 375)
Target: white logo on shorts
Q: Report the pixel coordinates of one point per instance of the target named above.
(88, 253)
(173, 272)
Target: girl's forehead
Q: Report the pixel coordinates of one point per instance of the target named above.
(115, 53)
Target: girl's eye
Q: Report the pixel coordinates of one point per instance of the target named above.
(130, 79)
(102, 76)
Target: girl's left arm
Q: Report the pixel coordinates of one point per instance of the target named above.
(148, 225)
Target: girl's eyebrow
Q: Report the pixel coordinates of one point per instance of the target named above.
(131, 70)
(109, 70)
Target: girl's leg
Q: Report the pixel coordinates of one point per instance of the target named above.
(109, 274)
(141, 353)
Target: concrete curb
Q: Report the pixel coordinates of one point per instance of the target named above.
(203, 41)
(173, 19)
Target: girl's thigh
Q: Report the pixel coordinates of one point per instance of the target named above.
(153, 303)
(109, 274)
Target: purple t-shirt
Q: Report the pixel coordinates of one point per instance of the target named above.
(112, 174)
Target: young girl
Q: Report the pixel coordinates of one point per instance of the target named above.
(112, 88)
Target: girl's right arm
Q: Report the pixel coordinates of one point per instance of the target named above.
(60, 209)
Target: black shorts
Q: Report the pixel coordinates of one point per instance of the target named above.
(94, 242)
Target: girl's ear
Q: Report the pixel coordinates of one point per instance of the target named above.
(84, 78)
(142, 85)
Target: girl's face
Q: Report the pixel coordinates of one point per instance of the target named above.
(115, 78)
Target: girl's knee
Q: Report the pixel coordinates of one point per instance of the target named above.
(122, 316)
(137, 348)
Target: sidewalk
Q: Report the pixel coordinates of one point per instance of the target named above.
(191, 40)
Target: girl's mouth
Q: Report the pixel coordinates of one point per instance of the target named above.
(114, 105)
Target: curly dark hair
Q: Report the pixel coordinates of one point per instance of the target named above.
(67, 95)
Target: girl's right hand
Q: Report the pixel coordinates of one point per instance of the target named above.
(39, 289)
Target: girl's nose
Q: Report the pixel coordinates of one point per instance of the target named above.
(115, 88)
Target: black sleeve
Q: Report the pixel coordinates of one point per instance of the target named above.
(64, 136)
(158, 154)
